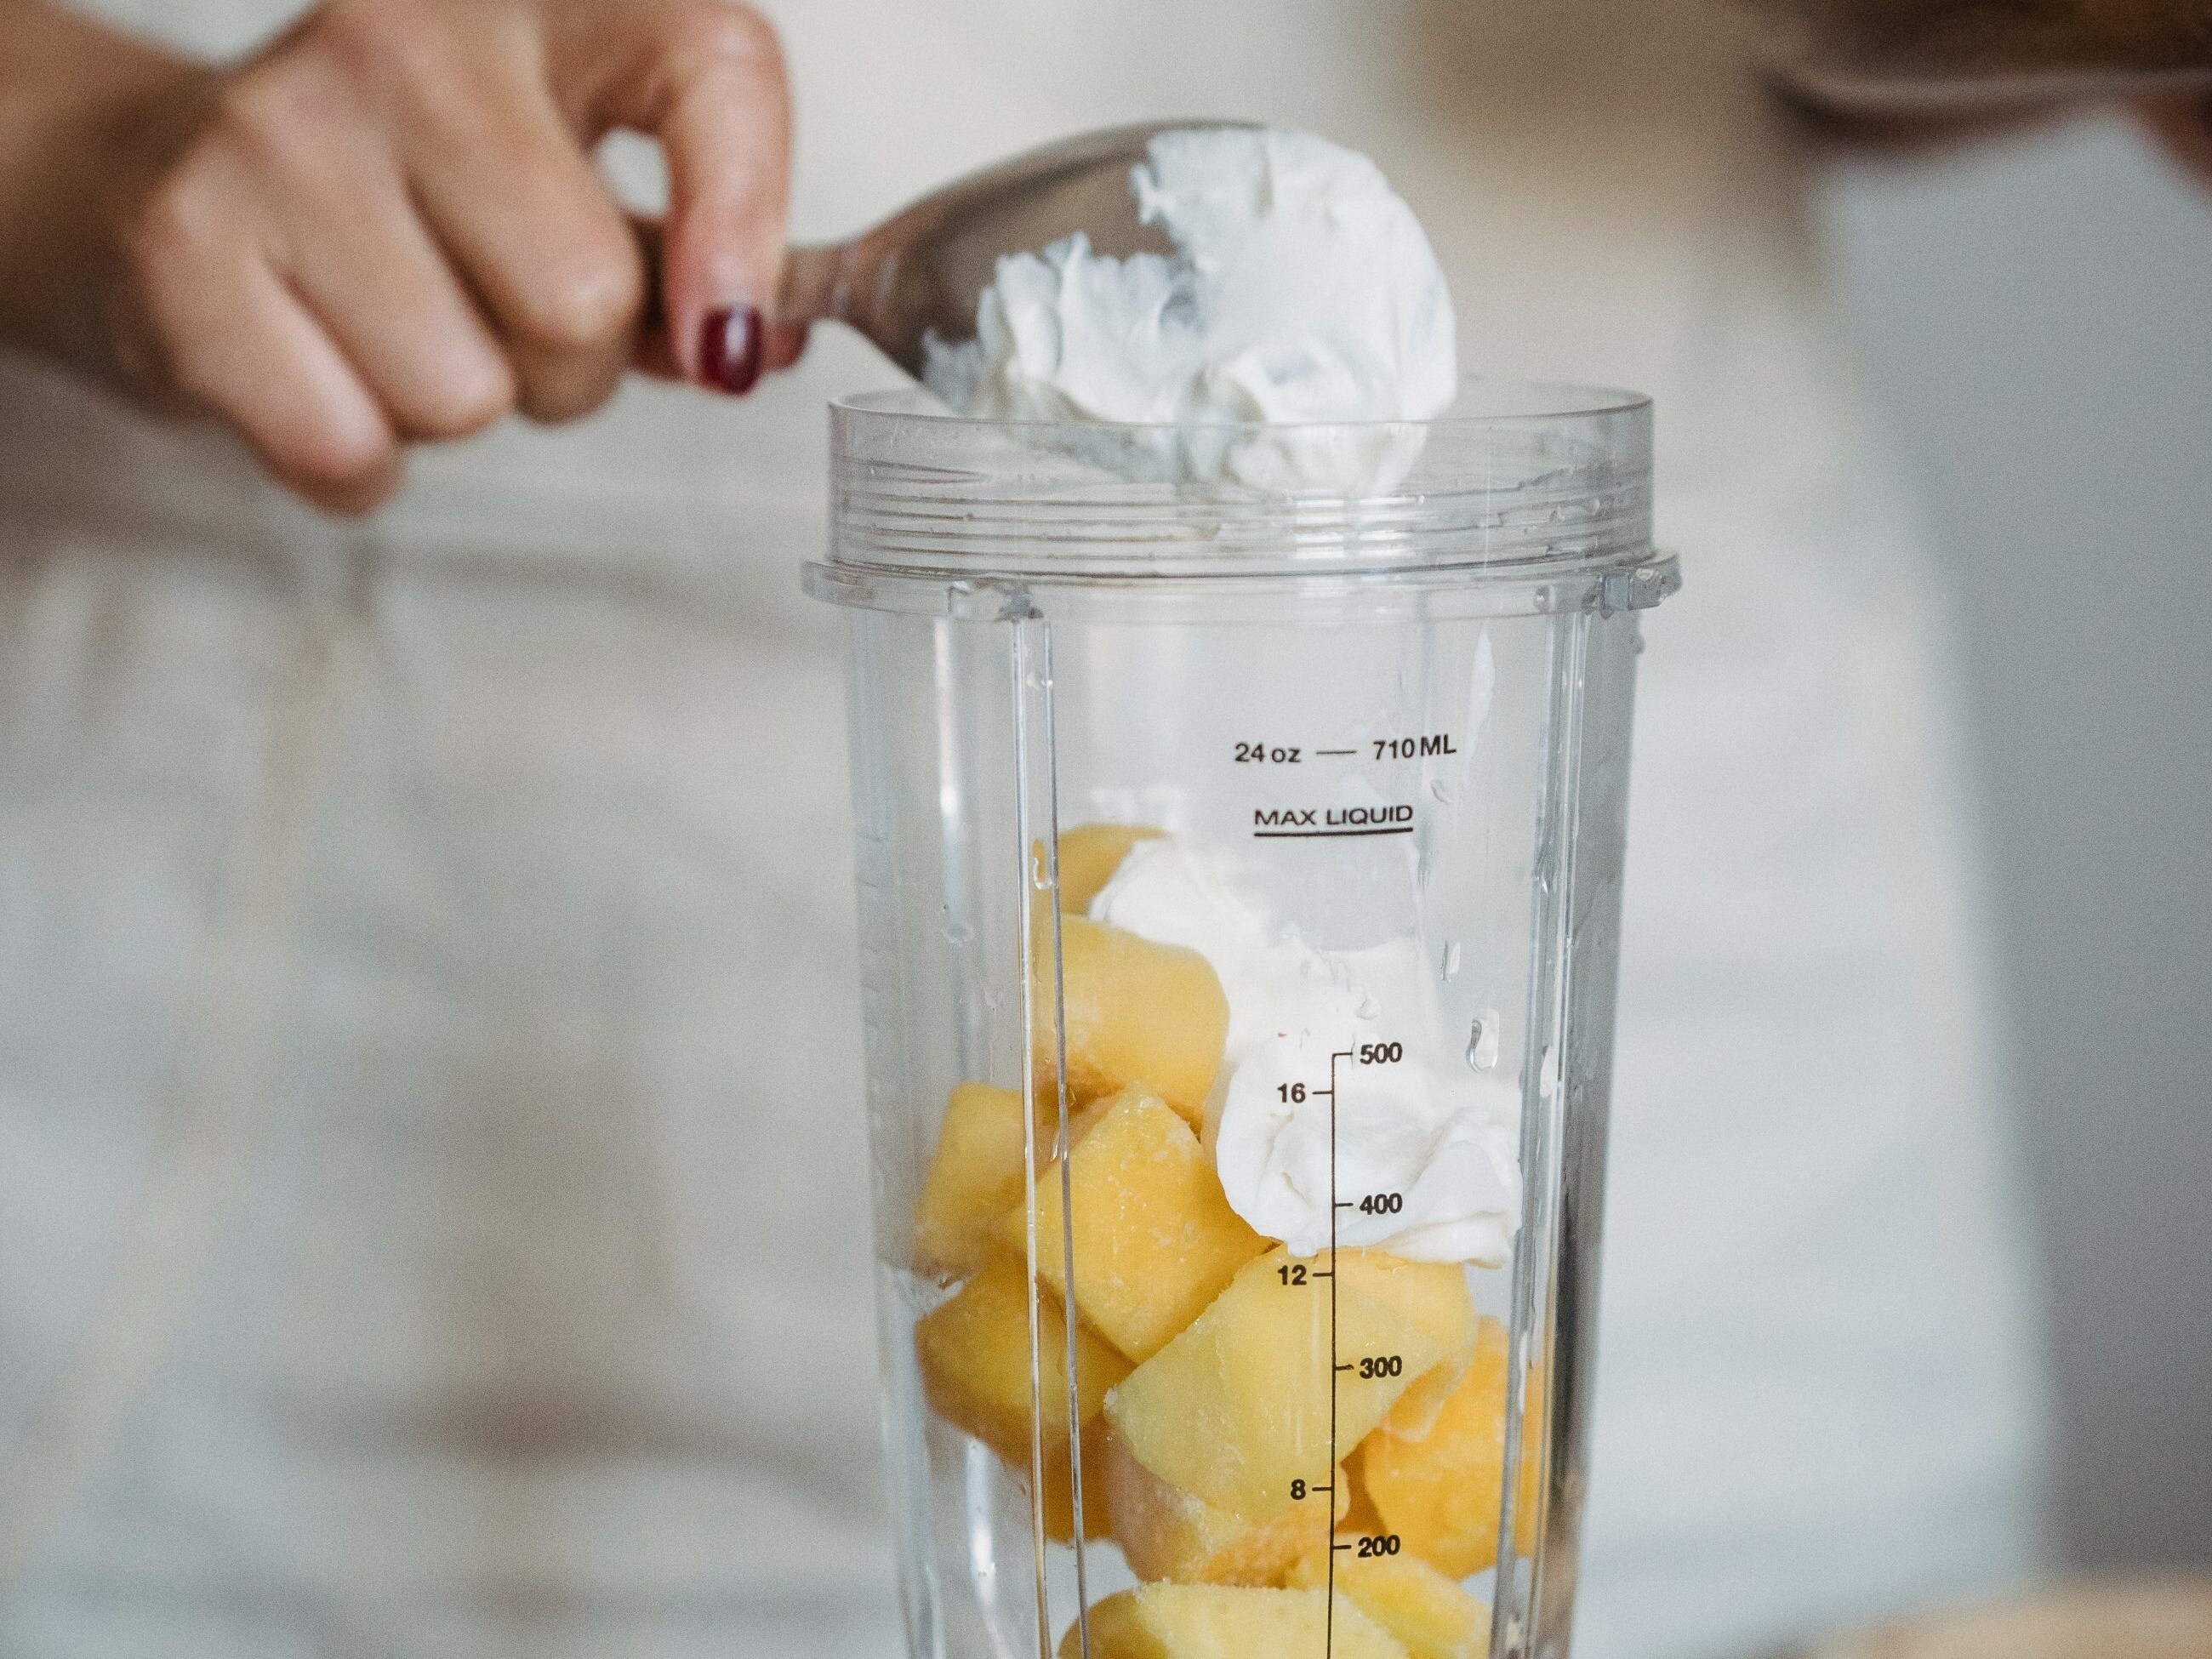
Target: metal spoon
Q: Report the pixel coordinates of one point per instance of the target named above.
(924, 268)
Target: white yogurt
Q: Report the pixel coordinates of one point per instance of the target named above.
(1303, 290)
(1424, 1150)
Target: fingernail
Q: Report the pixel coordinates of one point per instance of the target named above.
(730, 348)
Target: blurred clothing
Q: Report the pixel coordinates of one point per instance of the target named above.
(432, 1186)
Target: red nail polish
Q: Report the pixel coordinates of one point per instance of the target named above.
(730, 348)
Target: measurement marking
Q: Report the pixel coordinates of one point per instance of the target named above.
(1336, 751)
(1329, 1629)
(1327, 835)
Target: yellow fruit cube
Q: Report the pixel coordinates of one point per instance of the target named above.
(1238, 1406)
(1419, 1407)
(1089, 853)
(1213, 1622)
(1437, 1301)
(1439, 1491)
(1060, 1486)
(974, 1173)
(1363, 1515)
(1136, 1012)
(975, 1369)
(1155, 1240)
(1165, 1533)
(1429, 1616)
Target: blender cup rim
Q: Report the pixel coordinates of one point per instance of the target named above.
(1525, 496)
(1481, 402)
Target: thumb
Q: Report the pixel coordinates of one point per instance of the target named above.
(706, 78)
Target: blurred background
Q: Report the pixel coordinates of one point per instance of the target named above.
(2033, 323)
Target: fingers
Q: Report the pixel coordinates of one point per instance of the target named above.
(237, 341)
(289, 391)
(707, 78)
(358, 256)
(514, 203)
(535, 234)
(784, 343)
(387, 227)
(533, 227)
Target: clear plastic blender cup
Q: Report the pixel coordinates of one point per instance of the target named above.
(1239, 863)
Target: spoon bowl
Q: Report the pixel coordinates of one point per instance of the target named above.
(922, 270)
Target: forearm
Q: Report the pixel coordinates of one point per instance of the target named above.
(1905, 135)
(1940, 60)
(1910, 78)
(66, 86)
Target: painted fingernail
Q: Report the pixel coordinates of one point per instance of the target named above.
(730, 344)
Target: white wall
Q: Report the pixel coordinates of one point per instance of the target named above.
(2034, 322)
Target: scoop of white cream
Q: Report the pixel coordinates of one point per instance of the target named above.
(1425, 1163)
(1302, 291)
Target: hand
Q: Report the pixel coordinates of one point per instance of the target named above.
(387, 226)
(2181, 122)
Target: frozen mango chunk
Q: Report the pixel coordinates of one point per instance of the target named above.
(1436, 1301)
(1089, 853)
(1060, 1486)
(1166, 1532)
(1420, 1405)
(1439, 1491)
(1135, 1012)
(1363, 1517)
(974, 1173)
(1237, 1407)
(1426, 1614)
(1213, 1621)
(1155, 1240)
(975, 1370)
